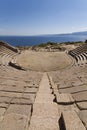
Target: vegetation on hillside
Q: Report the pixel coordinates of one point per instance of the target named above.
(51, 45)
(47, 44)
(72, 43)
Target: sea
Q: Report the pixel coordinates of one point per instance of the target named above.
(35, 40)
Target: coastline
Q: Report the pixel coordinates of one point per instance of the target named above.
(35, 40)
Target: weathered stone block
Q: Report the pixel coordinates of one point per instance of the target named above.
(82, 105)
(83, 116)
(40, 123)
(19, 109)
(22, 101)
(64, 99)
(45, 110)
(72, 121)
(14, 122)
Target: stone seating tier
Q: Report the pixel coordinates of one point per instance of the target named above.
(79, 54)
(85, 55)
(17, 94)
(7, 53)
(9, 46)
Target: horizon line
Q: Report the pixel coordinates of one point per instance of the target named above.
(46, 34)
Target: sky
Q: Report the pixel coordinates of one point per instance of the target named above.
(37, 17)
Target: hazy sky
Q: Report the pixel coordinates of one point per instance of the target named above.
(33, 17)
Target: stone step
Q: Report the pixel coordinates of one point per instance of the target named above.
(14, 122)
(40, 123)
(22, 101)
(82, 105)
(16, 117)
(68, 107)
(19, 109)
(80, 96)
(6, 100)
(73, 90)
(64, 99)
(53, 85)
(83, 116)
(72, 121)
(4, 105)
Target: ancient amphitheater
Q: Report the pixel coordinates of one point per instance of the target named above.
(43, 90)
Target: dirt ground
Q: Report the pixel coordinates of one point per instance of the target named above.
(44, 61)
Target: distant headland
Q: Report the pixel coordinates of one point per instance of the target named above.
(39, 39)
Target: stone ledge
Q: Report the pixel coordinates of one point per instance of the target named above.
(72, 121)
(40, 123)
(64, 99)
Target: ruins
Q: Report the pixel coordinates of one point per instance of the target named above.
(43, 90)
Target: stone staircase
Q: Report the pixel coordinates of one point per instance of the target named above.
(28, 102)
(49, 112)
(70, 90)
(45, 112)
(17, 94)
(68, 110)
